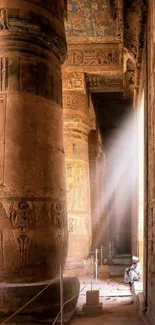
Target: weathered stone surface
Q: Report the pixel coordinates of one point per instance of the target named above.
(105, 82)
(33, 221)
(76, 129)
(103, 56)
(147, 84)
(42, 309)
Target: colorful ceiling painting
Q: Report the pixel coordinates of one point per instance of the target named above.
(92, 18)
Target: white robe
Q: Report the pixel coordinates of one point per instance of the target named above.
(133, 273)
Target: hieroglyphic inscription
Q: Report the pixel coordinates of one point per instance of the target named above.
(57, 215)
(95, 57)
(4, 19)
(13, 69)
(3, 99)
(78, 225)
(22, 218)
(75, 101)
(95, 81)
(73, 81)
(20, 223)
(79, 151)
(77, 194)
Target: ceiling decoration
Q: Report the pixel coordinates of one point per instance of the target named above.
(92, 18)
(94, 25)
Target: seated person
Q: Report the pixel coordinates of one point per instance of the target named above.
(134, 272)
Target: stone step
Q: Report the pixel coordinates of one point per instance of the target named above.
(122, 260)
(117, 270)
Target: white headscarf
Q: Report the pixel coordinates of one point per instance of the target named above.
(135, 258)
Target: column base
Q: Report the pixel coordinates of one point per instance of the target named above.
(44, 308)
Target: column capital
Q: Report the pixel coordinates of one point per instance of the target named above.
(26, 24)
(76, 125)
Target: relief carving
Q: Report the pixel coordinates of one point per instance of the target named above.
(78, 225)
(77, 170)
(93, 57)
(33, 81)
(24, 242)
(73, 81)
(57, 215)
(78, 57)
(4, 19)
(95, 81)
(3, 213)
(72, 225)
(79, 151)
(101, 58)
(75, 101)
(77, 193)
(21, 227)
(69, 171)
(22, 217)
(11, 252)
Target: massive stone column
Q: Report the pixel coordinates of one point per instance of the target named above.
(33, 227)
(76, 129)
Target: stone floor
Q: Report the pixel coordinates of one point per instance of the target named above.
(118, 307)
(112, 315)
(110, 289)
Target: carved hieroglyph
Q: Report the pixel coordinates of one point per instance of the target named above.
(76, 128)
(33, 221)
(105, 82)
(104, 55)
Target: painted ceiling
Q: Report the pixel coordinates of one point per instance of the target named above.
(92, 18)
(108, 22)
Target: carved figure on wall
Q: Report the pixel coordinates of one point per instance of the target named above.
(57, 214)
(22, 217)
(101, 58)
(92, 57)
(3, 214)
(69, 171)
(72, 225)
(10, 251)
(110, 58)
(73, 81)
(116, 57)
(23, 241)
(77, 57)
(4, 19)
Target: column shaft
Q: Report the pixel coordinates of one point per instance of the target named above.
(76, 125)
(33, 228)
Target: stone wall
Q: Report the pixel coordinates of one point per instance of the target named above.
(147, 79)
(150, 195)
